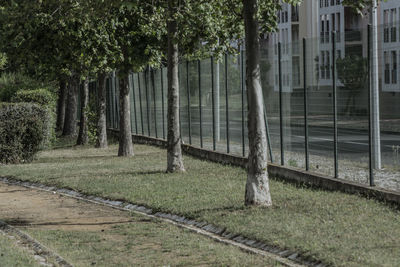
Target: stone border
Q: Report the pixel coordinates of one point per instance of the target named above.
(39, 250)
(285, 173)
(283, 256)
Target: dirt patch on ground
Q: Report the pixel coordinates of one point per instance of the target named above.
(23, 207)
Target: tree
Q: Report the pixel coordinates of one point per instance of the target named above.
(195, 29)
(352, 72)
(257, 186)
(257, 15)
(138, 45)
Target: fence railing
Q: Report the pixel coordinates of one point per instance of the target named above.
(321, 123)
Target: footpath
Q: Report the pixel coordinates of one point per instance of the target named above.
(61, 231)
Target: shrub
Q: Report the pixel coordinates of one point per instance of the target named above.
(11, 83)
(47, 100)
(39, 96)
(21, 131)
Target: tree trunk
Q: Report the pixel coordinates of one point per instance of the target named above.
(83, 138)
(257, 187)
(102, 123)
(61, 105)
(174, 151)
(125, 135)
(72, 107)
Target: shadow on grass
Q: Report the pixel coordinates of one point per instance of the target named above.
(73, 158)
(228, 209)
(23, 223)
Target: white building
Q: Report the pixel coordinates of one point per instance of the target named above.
(389, 37)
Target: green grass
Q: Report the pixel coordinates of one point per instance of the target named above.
(340, 229)
(12, 255)
(144, 242)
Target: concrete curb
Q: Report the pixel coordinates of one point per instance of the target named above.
(283, 256)
(284, 173)
(43, 252)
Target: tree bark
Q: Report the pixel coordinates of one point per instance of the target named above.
(257, 187)
(72, 107)
(174, 151)
(101, 141)
(125, 135)
(61, 105)
(83, 138)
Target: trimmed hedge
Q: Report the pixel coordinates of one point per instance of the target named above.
(21, 131)
(39, 96)
(47, 100)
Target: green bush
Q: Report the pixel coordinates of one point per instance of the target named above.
(21, 131)
(40, 96)
(11, 83)
(47, 100)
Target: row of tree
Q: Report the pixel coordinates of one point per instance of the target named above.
(75, 40)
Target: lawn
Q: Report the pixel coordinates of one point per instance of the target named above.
(339, 229)
(144, 242)
(12, 255)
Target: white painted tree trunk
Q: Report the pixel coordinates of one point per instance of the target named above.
(125, 148)
(83, 138)
(257, 186)
(102, 123)
(174, 151)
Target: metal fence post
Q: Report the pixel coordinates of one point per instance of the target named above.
(134, 102)
(268, 136)
(213, 102)
(335, 133)
(227, 104)
(162, 103)
(180, 105)
(188, 103)
(154, 101)
(114, 122)
(200, 103)
(146, 72)
(371, 170)
(117, 101)
(242, 78)
(305, 106)
(280, 103)
(140, 104)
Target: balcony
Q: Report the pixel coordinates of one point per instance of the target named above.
(294, 16)
(352, 36)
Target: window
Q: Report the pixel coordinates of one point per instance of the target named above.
(327, 30)
(328, 65)
(394, 67)
(386, 26)
(338, 27)
(321, 3)
(332, 2)
(337, 2)
(393, 25)
(387, 67)
(339, 53)
(322, 65)
(296, 71)
(322, 35)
